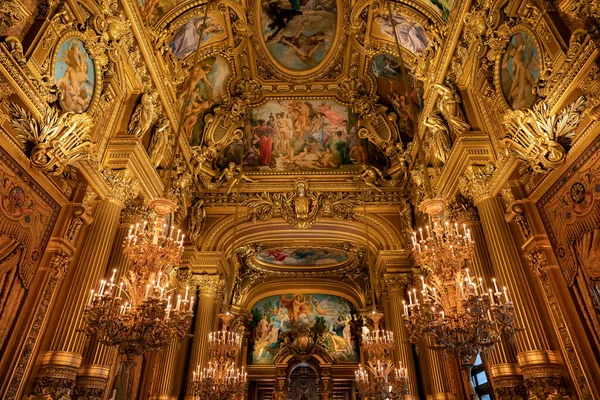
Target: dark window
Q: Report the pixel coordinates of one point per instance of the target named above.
(480, 380)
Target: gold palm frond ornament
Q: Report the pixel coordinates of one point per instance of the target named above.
(541, 138)
(55, 142)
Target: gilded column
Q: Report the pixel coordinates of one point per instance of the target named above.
(442, 384)
(534, 355)
(92, 377)
(162, 384)
(208, 286)
(396, 287)
(502, 361)
(64, 359)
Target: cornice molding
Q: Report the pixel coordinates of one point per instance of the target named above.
(127, 152)
(469, 148)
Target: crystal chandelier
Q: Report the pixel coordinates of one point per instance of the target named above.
(452, 310)
(221, 380)
(380, 379)
(142, 313)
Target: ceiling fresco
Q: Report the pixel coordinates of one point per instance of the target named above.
(289, 86)
(303, 256)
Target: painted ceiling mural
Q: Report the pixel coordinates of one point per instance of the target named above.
(331, 317)
(298, 33)
(270, 91)
(305, 256)
(300, 135)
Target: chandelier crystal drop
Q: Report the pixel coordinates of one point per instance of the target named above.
(221, 380)
(380, 379)
(452, 310)
(142, 312)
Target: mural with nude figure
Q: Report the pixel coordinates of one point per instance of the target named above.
(398, 88)
(301, 135)
(298, 33)
(207, 82)
(74, 76)
(331, 317)
(520, 70)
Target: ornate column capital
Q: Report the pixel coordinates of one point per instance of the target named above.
(134, 212)
(396, 283)
(122, 185)
(208, 284)
(463, 211)
(474, 182)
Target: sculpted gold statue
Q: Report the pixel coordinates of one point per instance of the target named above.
(144, 115)
(450, 108)
(369, 176)
(233, 175)
(439, 136)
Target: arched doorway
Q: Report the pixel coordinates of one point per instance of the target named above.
(303, 382)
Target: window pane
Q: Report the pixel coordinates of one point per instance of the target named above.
(481, 378)
(478, 360)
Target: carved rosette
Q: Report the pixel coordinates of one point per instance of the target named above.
(474, 183)
(60, 264)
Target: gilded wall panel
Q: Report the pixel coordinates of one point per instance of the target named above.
(570, 211)
(27, 217)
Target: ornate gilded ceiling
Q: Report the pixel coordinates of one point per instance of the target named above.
(323, 83)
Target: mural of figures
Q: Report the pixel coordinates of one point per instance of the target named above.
(519, 71)
(208, 83)
(294, 135)
(444, 7)
(400, 90)
(298, 34)
(185, 41)
(74, 76)
(153, 10)
(325, 315)
(411, 34)
(302, 256)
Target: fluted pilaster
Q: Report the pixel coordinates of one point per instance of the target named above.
(535, 358)
(162, 383)
(396, 286)
(98, 355)
(68, 342)
(441, 380)
(208, 286)
(505, 257)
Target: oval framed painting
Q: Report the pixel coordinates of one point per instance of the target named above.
(75, 74)
(300, 38)
(519, 70)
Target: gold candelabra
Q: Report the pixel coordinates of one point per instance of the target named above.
(221, 380)
(453, 311)
(380, 379)
(142, 313)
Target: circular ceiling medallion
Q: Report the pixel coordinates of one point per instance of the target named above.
(299, 38)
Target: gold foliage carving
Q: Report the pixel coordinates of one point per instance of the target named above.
(539, 138)
(302, 207)
(54, 143)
